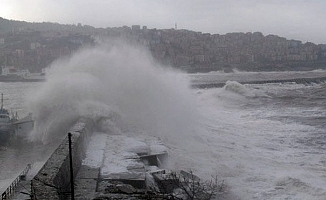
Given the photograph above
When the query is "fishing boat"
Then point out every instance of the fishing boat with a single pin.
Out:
(6, 123)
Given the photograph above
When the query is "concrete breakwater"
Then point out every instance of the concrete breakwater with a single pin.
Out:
(53, 179)
(289, 80)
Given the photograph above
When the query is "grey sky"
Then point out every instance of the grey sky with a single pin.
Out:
(294, 19)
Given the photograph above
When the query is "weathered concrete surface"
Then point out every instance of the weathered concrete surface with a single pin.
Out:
(154, 159)
(53, 180)
(118, 167)
(135, 179)
(86, 182)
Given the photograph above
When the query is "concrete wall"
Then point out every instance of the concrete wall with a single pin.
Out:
(53, 180)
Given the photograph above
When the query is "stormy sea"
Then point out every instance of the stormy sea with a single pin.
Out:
(265, 141)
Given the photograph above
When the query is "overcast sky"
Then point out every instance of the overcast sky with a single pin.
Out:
(294, 19)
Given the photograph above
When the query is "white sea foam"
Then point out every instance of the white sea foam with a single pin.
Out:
(319, 70)
(260, 158)
(241, 89)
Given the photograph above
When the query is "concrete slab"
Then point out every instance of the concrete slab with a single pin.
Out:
(86, 182)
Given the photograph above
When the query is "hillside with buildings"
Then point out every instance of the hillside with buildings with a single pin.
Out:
(33, 46)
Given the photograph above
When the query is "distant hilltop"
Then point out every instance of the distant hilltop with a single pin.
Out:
(35, 45)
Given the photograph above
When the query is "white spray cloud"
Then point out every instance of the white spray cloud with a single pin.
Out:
(118, 85)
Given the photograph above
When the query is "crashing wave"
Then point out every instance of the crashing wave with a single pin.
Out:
(234, 86)
(119, 86)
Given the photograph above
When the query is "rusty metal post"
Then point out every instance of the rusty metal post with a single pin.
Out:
(71, 170)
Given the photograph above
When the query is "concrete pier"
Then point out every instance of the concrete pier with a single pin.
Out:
(120, 162)
(53, 180)
(118, 167)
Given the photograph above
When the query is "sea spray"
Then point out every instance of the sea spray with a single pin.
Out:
(121, 87)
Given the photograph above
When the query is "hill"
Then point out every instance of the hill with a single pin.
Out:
(35, 45)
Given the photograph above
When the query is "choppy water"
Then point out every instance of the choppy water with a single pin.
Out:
(270, 139)
(265, 141)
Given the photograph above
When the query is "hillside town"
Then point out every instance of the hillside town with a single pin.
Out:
(34, 46)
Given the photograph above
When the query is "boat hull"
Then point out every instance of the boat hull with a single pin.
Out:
(5, 135)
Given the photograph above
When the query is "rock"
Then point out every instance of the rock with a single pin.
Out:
(125, 188)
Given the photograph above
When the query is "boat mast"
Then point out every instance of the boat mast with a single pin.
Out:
(1, 101)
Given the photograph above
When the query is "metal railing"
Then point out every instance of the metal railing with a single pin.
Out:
(8, 193)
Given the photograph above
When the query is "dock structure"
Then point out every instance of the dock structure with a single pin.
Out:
(53, 179)
(124, 169)
(18, 185)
